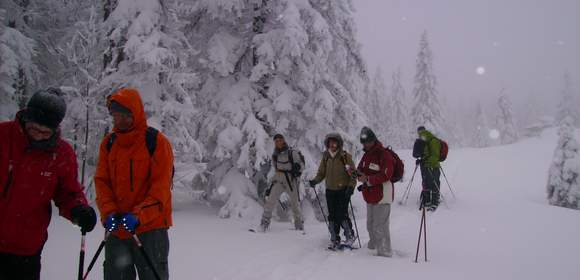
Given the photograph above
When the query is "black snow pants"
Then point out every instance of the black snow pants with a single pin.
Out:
(19, 267)
(431, 186)
(337, 201)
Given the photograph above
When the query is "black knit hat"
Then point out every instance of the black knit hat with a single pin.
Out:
(421, 128)
(367, 135)
(278, 136)
(46, 107)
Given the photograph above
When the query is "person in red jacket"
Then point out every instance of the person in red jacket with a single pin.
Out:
(36, 166)
(376, 169)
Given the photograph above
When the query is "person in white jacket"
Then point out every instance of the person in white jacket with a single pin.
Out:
(288, 164)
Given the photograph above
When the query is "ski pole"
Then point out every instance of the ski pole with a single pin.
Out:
(321, 210)
(408, 190)
(146, 256)
(97, 254)
(354, 220)
(82, 255)
(425, 232)
(450, 189)
(422, 231)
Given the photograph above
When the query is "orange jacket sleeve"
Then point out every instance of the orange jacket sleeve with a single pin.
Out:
(105, 197)
(159, 195)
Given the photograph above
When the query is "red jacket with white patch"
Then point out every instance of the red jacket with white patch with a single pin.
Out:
(29, 180)
(378, 165)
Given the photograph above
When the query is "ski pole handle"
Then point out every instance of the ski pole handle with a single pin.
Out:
(82, 255)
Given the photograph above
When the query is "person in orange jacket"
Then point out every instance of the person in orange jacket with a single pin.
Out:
(133, 186)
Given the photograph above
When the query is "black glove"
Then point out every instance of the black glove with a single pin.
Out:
(361, 187)
(312, 183)
(349, 191)
(84, 216)
(296, 170)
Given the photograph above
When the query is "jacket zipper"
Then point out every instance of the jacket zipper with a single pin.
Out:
(131, 173)
(8, 181)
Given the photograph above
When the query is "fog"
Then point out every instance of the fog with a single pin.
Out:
(524, 46)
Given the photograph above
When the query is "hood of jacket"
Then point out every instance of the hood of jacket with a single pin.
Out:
(335, 136)
(427, 135)
(130, 98)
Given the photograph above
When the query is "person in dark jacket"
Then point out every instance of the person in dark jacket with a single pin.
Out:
(36, 167)
(335, 168)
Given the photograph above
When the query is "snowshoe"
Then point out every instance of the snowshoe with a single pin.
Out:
(345, 246)
(334, 246)
(264, 225)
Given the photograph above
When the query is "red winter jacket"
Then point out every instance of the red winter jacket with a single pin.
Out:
(37, 177)
(378, 165)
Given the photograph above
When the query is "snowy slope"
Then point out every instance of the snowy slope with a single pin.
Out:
(500, 227)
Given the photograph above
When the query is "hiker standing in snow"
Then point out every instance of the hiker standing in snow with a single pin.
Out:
(427, 150)
(288, 164)
(375, 171)
(133, 184)
(36, 166)
(334, 168)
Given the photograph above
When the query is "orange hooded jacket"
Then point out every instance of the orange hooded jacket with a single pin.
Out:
(128, 179)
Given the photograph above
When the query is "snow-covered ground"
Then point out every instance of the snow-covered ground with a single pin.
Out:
(500, 227)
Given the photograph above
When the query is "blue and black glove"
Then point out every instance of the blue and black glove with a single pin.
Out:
(112, 222)
(130, 222)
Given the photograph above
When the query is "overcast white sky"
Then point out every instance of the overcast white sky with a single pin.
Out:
(524, 45)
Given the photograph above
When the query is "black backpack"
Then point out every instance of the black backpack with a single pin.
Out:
(150, 142)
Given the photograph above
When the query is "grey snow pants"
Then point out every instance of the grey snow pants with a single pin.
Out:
(378, 228)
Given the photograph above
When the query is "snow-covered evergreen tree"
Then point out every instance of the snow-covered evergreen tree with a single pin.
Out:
(426, 110)
(505, 121)
(401, 133)
(567, 106)
(17, 69)
(147, 50)
(266, 67)
(378, 107)
(481, 131)
(564, 177)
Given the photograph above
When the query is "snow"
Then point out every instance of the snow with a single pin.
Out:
(500, 227)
